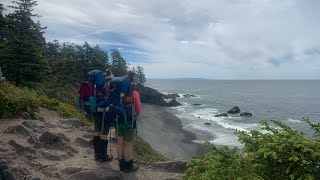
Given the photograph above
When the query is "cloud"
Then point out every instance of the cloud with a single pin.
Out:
(232, 39)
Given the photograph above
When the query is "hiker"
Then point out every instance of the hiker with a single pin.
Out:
(125, 135)
(108, 77)
(102, 128)
(92, 97)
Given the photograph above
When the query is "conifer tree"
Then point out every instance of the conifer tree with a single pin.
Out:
(5, 35)
(141, 78)
(27, 45)
(118, 64)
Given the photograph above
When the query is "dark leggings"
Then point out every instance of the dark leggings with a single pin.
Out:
(100, 125)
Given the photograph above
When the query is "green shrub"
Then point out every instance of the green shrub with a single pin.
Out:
(222, 163)
(281, 153)
(14, 101)
(143, 151)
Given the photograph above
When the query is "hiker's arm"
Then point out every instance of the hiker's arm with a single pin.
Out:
(136, 97)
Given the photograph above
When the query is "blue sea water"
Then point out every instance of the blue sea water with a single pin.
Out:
(285, 100)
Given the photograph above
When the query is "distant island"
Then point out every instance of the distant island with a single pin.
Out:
(178, 79)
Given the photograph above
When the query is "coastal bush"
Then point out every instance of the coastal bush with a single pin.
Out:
(280, 153)
(143, 151)
(222, 163)
(14, 101)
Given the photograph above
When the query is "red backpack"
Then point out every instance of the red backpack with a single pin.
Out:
(86, 90)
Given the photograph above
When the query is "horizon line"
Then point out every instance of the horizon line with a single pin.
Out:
(233, 79)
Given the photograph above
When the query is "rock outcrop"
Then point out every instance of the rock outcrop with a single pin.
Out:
(170, 96)
(221, 115)
(21, 150)
(188, 95)
(151, 96)
(19, 129)
(53, 141)
(171, 166)
(96, 174)
(246, 114)
(234, 110)
(173, 103)
(5, 172)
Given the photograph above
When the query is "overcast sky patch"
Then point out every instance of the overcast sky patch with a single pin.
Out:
(218, 39)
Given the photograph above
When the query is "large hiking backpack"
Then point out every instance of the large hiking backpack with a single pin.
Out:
(120, 100)
(92, 92)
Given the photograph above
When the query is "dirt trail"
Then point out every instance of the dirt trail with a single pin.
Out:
(71, 157)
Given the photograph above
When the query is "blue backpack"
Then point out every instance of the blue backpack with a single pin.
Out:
(120, 101)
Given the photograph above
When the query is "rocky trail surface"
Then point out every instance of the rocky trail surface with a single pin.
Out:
(57, 148)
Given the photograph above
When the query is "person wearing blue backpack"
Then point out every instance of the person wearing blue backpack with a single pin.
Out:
(124, 107)
(92, 100)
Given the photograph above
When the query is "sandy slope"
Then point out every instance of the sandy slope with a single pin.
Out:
(159, 127)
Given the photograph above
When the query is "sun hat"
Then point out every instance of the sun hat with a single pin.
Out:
(108, 74)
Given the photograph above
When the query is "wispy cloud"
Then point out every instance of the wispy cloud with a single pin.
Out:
(232, 39)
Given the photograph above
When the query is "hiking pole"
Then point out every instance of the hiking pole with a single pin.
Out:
(110, 140)
(82, 111)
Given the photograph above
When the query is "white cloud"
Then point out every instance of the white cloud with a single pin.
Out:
(231, 39)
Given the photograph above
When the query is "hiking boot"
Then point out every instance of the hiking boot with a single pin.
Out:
(96, 145)
(130, 166)
(103, 151)
(122, 164)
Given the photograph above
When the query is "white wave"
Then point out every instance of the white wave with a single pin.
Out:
(294, 120)
(183, 108)
(164, 92)
(198, 141)
(206, 112)
(226, 122)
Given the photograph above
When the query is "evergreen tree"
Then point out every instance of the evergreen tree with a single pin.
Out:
(141, 78)
(3, 24)
(53, 52)
(134, 71)
(5, 35)
(26, 47)
(118, 64)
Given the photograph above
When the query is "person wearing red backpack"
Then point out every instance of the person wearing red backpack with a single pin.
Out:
(125, 135)
(92, 95)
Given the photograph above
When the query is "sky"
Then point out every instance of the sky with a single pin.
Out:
(214, 39)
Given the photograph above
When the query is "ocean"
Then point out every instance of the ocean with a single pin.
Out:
(284, 100)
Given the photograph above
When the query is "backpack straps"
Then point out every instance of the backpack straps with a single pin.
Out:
(133, 111)
(123, 110)
(95, 92)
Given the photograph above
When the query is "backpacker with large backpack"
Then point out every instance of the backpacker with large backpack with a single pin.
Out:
(120, 101)
(92, 92)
